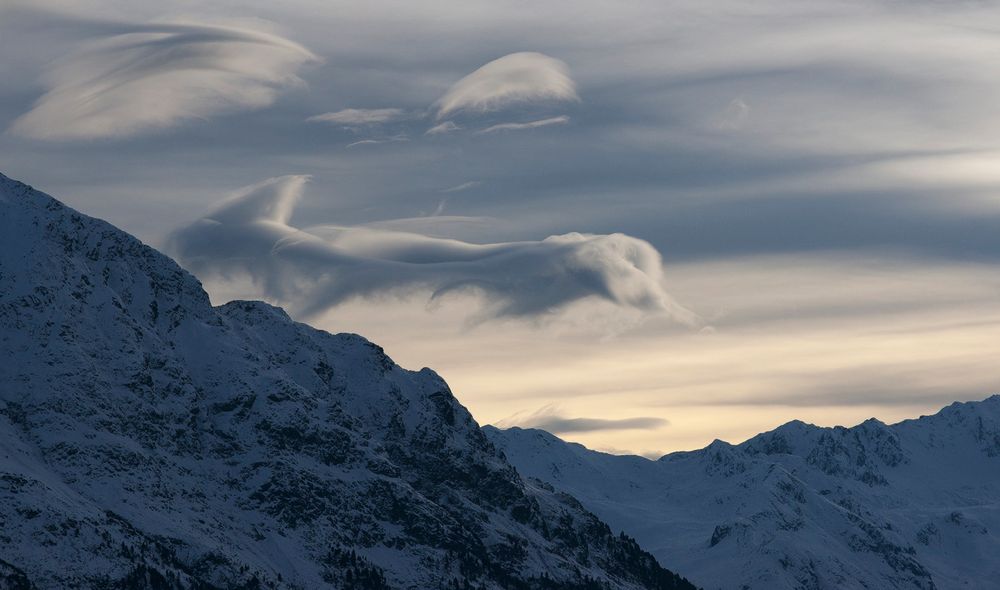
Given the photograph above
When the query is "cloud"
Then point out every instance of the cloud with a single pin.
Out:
(313, 269)
(152, 76)
(436, 225)
(551, 420)
(734, 116)
(651, 454)
(462, 187)
(360, 117)
(515, 78)
(442, 128)
(561, 120)
(392, 139)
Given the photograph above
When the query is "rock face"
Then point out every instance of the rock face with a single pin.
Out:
(914, 505)
(150, 440)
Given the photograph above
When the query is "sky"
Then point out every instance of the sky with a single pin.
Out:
(642, 226)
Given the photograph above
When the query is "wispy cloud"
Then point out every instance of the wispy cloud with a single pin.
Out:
(512, 79)
(560, 120)
(462, 187)
(392, 139)
(360, 117)
(442, 128)
(734, 116)
(316, 268)
(152, 76)
(551, 419)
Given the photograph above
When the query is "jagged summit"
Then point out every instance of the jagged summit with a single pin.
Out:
(251, 308)
(150, 440)
(987, 407)
(912, 505)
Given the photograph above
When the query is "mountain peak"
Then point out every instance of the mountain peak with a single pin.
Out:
(251, 308)
(908, 506)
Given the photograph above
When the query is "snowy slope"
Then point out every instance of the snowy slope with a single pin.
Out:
(149, 440)
(913, 505)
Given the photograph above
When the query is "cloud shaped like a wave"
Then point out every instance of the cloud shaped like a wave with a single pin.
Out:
(151, 76)
(316, 268)
(515, 78)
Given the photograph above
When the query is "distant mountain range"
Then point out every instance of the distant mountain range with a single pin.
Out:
(149, 440)
(914, 505)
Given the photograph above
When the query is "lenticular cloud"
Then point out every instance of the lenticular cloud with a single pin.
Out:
(155, 75)
(515, 78)
(561, 120)
(550, 419)
(316, 268)
(360, 117)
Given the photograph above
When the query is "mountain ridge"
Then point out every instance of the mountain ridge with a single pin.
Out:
(907, 505)
(150, 440)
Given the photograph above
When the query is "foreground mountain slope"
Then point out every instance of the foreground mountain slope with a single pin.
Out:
(913, 505)
(150, 440)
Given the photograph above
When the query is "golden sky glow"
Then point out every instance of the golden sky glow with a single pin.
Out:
(829, 339)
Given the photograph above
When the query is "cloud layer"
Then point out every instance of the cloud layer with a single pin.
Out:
(514, 78)
(152, 76)
(319, 267)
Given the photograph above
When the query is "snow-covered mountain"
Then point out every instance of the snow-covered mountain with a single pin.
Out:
(150, 440)
(913, 505)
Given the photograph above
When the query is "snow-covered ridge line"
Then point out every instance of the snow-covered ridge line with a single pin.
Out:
(150, 440)
(909, 505)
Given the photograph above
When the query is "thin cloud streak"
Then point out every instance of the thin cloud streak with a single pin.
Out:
(359, 117)
(560, 120)
(443, 128)
(393, 139)
(551, 420)
(462, 187)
